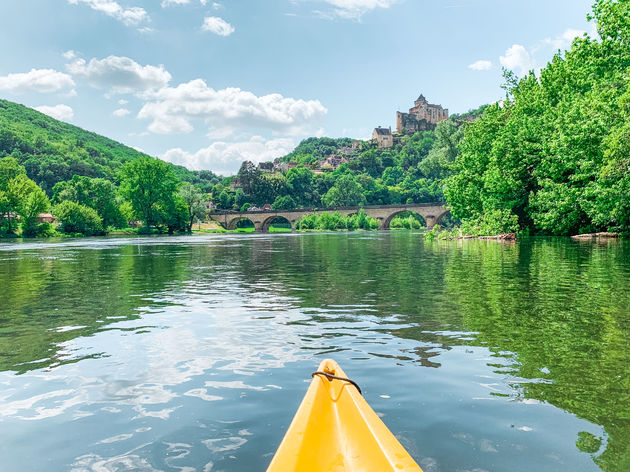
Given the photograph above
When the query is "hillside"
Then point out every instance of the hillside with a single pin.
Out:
(53, 151)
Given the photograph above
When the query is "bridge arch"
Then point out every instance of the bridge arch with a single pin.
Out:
(266, 224)
(430, 216)
(418, 216)
(234, 222)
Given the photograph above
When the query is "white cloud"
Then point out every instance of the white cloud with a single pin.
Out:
(166, 3)
(355, 9)
(517, 57)
(564, 40)
(171, 109)
(37, 80)
(69, 55)
(217, 25)
(129, 16)
(480, 65)
(59, 112)
(120, 74)
(121, 112)
(225, 158)
(122, 101)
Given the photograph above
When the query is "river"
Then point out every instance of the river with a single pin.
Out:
(193, 353)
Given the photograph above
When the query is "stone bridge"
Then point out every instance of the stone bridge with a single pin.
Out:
(262, 219)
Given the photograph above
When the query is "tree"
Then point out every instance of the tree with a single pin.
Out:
(249, 177)
(76, 218)
(301, 186)
(150, 185)
(28, 200)
(96, 193)
(345, 192)
(285, 202)
(194, 202)
(9, 169)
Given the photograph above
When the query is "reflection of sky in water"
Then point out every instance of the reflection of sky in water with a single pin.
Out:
(208, 372)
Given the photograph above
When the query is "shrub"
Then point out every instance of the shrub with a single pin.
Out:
(76, 218)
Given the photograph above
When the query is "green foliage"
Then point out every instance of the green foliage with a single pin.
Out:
(334, 221)
(405, 222)
(553, 157)
(312, 149)
(75, 218)
(96, 193)
(345, 192)
(285, 202)
(150, 185)
(194, 204)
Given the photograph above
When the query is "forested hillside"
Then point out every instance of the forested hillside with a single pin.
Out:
(412, 171)
(53, 151)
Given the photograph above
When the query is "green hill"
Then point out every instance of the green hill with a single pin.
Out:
(53, 151)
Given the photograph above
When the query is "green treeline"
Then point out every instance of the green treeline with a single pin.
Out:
(554, 157)
(150, 191)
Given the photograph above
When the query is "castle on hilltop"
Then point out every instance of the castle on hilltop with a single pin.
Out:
(422, 117)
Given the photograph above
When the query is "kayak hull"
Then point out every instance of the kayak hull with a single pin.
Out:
(336, 430)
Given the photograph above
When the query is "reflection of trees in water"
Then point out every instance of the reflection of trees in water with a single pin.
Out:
(557, 310)
(53, 295)
(562, 309)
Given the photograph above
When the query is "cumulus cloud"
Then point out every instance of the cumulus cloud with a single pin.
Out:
(172, 109)
(355, 9)
(225, 158)
(129, 16)
(120, 74)
(121, 112)
(217, 25)
(480, 65)
(517, 57)
(37, 80)
(59, 112)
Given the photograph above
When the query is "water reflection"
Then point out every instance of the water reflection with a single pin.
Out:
(193, 353)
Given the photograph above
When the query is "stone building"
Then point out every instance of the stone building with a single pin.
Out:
(422, 117)
(383, 137)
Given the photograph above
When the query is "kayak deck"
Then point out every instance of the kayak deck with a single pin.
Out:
(335, 429)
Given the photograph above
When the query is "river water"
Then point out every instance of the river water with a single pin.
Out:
(193, 353)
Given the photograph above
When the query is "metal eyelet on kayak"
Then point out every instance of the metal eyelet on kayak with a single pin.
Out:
(334, 377)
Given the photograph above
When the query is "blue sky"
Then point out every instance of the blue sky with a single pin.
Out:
(208, 84)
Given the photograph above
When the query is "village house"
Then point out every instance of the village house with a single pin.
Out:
(332, 162)
(265, 166)
(383, 137)
(46, 218)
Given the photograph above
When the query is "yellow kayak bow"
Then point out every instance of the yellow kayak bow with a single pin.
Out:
(335, 429)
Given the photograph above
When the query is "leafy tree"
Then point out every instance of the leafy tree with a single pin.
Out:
(9, 169)
(552, 157)
(249, 177)
(28, 200)
(76, 218)
(285, 202)
(96, 193)
(194, 202)
(150, 185)
(345, 192)
(301, 186)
